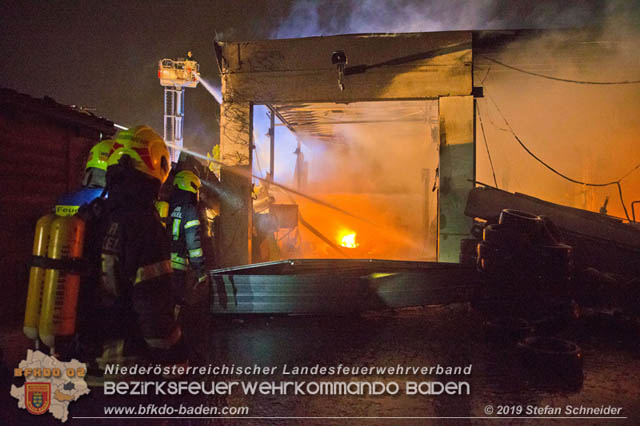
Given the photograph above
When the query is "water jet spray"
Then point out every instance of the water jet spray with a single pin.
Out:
(214, 91)
(249, 175)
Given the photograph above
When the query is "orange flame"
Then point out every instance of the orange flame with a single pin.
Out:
(348, 239)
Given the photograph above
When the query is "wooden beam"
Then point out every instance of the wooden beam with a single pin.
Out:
(285, 87)
(314, 53)
(381, 67)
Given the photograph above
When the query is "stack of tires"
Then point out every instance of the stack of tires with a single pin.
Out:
(468, 246)
(525, 299)
(522, 251)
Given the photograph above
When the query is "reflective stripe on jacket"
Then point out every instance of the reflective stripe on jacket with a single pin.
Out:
(136, 270)
(186, 249)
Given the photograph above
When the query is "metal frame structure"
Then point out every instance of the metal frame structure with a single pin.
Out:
(386, 67)
(173, 119)
(175, 76)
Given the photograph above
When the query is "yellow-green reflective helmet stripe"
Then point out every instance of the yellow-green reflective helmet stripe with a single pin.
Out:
(186, 180)
(99, 154)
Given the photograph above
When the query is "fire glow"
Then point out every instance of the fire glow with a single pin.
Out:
(348, 239)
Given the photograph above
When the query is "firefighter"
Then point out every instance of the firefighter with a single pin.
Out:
(185, 228)
(132, 303)
(95, 175)
(54, 275)
(93, 182)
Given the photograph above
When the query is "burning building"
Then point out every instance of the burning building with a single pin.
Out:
(381, 127)
(387, 131)
(376, 141)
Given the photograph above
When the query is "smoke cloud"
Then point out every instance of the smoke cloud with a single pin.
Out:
(586, 131)
(381, 171)
(589, 132)
(317, 18)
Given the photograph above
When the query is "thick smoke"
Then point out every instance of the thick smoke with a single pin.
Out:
(588, 132)
(325, 17)
(380, 171)
(384, 172)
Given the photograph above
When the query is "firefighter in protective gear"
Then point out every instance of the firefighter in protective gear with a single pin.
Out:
(184, 224)
(96, 169)
(54, 276)
(133, 300)
(93, 182)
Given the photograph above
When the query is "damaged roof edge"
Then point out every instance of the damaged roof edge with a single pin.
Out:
(336, 36)
(485, 34)
(49, 107)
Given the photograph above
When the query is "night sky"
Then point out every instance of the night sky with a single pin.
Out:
(104, 55)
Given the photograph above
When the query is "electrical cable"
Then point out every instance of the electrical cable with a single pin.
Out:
(487, 146)
(566, 80)
(486, 75)
(255, 150)
(570, 179)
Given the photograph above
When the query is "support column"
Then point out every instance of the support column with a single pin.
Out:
(457, 167)
(272, 145)
(235, 181)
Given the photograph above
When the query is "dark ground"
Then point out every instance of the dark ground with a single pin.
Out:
(450, 335)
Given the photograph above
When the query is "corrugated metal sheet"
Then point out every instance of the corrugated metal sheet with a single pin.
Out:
(338, 286)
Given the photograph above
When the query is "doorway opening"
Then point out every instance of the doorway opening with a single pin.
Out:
(355, 180)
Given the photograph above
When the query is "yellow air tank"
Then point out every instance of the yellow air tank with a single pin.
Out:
(163, 211)
(61, 285)
(36, 277)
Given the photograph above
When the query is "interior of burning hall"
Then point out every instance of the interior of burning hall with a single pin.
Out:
(377, 161)
(374, 160)
(356, 148)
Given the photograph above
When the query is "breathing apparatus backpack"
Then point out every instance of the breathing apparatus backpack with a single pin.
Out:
(55, 274)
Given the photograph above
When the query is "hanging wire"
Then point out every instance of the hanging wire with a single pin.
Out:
(255, 151)
(495, 181)
(570, 179)
(486, 75)
(566, 80)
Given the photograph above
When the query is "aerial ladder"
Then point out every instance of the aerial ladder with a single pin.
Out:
(174, 76)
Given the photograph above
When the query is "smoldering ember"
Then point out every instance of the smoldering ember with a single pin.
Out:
(252, 206)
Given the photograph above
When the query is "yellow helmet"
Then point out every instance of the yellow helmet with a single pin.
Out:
(99, 155)
(187, 181)
(146, 148)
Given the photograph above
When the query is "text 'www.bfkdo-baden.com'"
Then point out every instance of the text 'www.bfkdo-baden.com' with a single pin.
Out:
(168, 410)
